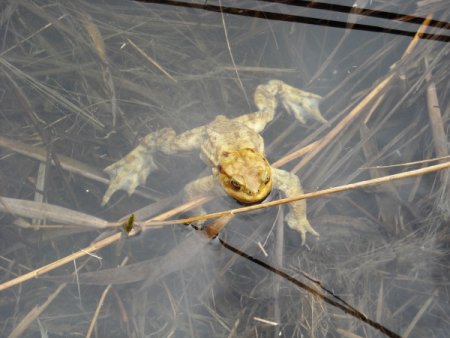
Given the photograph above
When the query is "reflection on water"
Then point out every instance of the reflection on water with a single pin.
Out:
(82, 84)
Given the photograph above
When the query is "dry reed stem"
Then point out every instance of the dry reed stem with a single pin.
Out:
(406, 164)
(51, 212)
(93, 247)
(153, 62)
(255, 69)
(437, 128)
(100, 304)
(99, 46)
(60, 262)
(296, 154)
(95, 36)
(380, 302)
(420, 314)
(417, 36)
(159, 220)
(347, 334)
(344, 123)
(97, 310)
(40, 154)
(184, 207)
(373, 108)
(29, 37)
(47, 91)
(354, 113)
(324, 192)
(386, 209)
(67, 163)
(35, 313)
(437, 125)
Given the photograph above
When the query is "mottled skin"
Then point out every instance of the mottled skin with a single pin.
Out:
(234, 150)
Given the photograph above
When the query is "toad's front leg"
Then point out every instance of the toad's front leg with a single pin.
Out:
(303, 105)
(289, 185)
(133, 169)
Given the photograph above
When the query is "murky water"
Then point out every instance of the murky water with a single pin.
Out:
(83, 82)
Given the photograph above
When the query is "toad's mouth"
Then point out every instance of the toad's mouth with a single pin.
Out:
(253, 200)
(244, 194)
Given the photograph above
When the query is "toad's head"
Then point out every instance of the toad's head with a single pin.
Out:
(245, 175)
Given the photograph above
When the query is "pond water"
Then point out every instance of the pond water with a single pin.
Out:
(83, 82)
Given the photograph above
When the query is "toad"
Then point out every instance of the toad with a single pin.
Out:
(234, 149)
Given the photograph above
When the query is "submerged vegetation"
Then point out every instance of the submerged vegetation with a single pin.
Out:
(82, 82)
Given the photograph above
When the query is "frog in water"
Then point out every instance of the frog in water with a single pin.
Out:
(233, 149)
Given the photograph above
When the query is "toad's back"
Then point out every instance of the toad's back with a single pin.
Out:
(224, 135)
(235, 151)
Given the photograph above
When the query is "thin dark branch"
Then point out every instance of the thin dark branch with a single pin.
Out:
(309, 20)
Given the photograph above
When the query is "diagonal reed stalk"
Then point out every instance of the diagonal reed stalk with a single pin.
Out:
(311, 151)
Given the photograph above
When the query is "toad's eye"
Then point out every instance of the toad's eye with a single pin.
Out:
(266, 178)
(235, 184)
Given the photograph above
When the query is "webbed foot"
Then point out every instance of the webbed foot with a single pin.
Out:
(289, 184)
(300, 224)
(132, 170)
(301, 104)
(129, 172)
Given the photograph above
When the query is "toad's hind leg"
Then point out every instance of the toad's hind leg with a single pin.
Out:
(133, 169)
(289, 184)
(201, 187)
